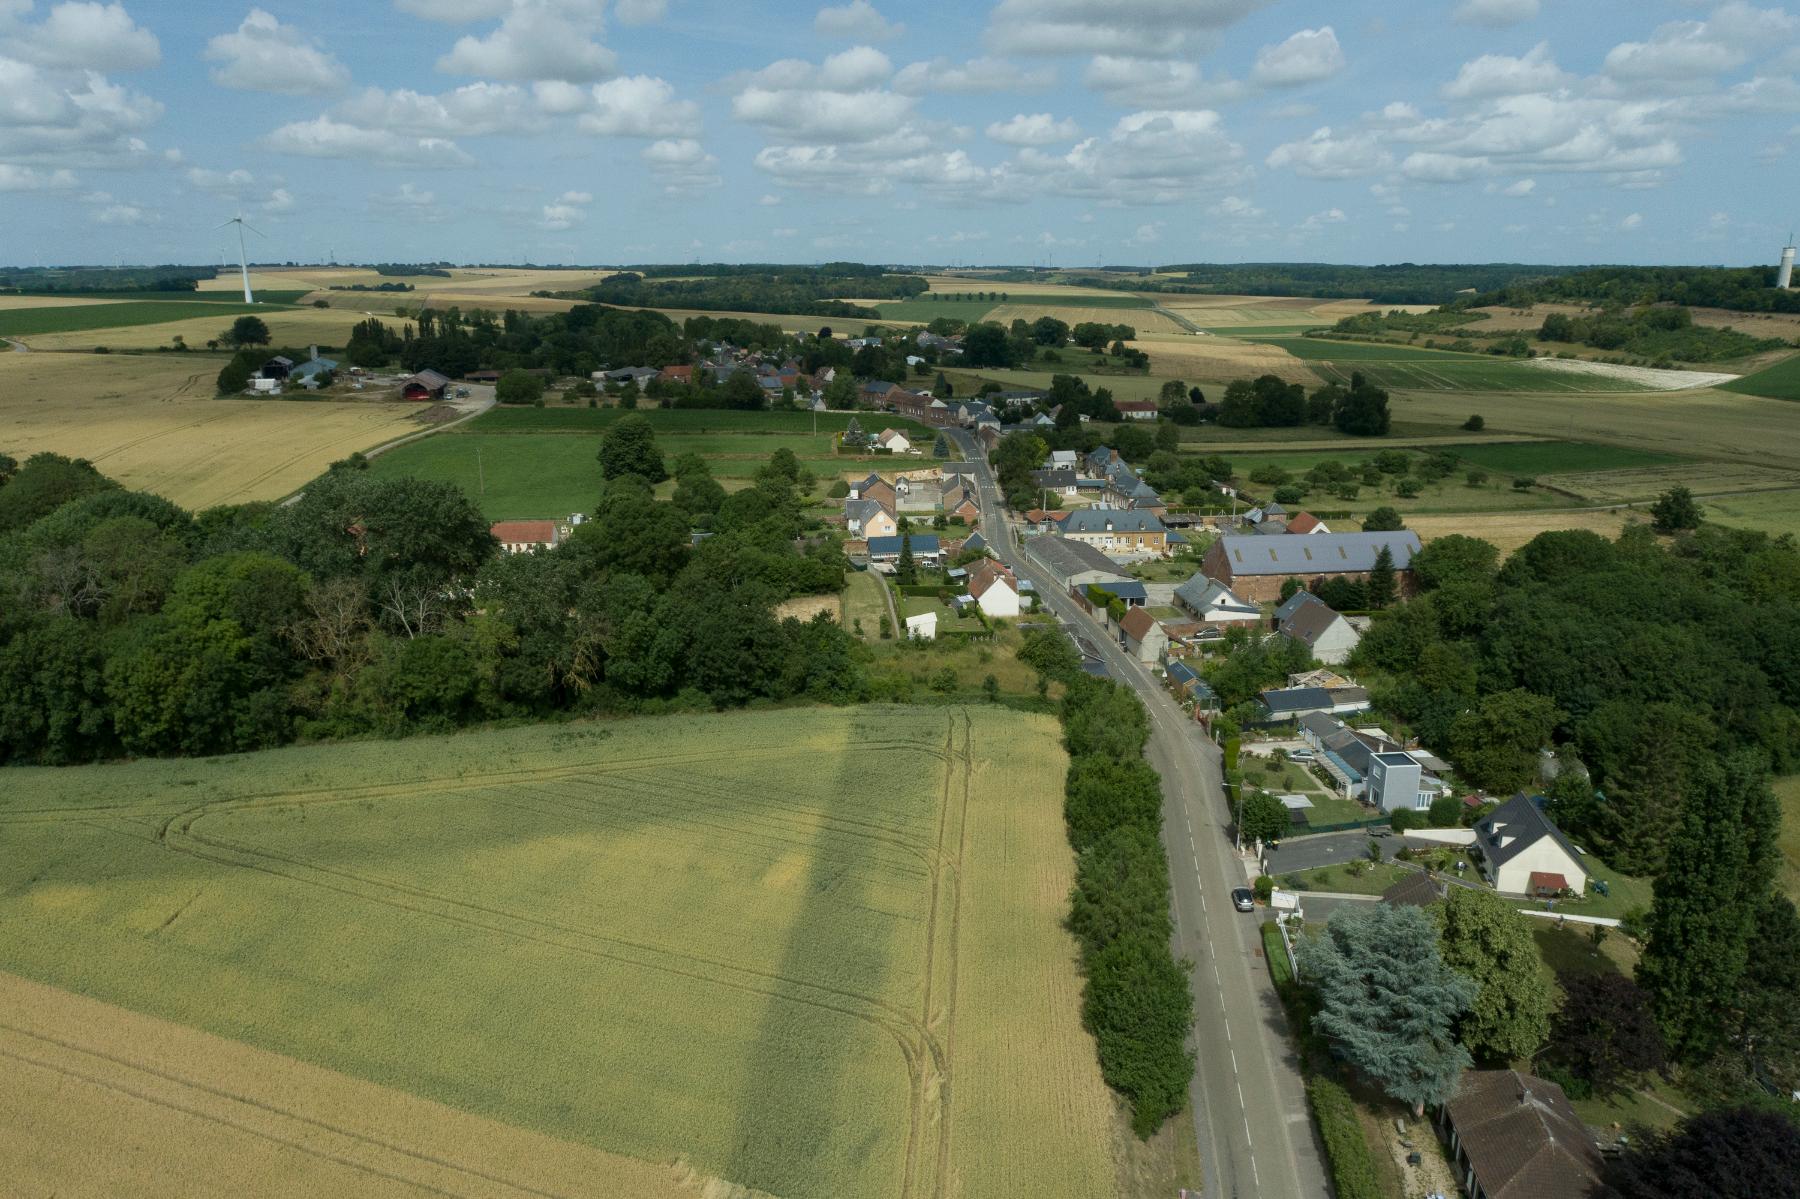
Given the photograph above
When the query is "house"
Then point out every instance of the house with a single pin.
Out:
(1255, 566)
(1518, 841)
(923, 626)
(1073, 564)
(867, 518)
(877, 393)
(1292, 703)
(885, 551)
(1306, 618)
(1142, 636)
(961, 505)
(638, 376)
(921, 406)
(1136, 409)
(1117, 530)
(676, 374)
(1063, 460)
(875, 488)
(1516, 1136)
(1129, 592)
(1397, 783)
(525, 536)
(1306, 522)
(974, 541)
(994, 588)
(1062, 482)
(426, 385)
(1214, 603)
(893, 441)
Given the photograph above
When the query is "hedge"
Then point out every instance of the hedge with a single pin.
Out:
(1346, 1147)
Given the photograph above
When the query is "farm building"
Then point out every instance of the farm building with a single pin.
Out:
(426, 385)
(525, 536)
(1136, 409)
(1073, 564)
(1255, 566)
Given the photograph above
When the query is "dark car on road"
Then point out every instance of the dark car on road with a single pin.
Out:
(1242, 899)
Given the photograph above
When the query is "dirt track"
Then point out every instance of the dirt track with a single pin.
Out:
(101, 1101)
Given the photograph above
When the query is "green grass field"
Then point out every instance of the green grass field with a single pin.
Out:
(815, 952)
(196, 297)
(1772, 512)
(571, 418)
(1408, 368)
(1557, 457)
(1778, 382)
(75, 318)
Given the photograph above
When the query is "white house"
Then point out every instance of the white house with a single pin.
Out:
(923, 626)
(994, 588)
(1215, 603)
(1306, 618)
(1524, 853)
(893, 441)
(1142, 636)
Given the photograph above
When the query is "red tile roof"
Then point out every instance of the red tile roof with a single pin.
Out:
(1543, 880)
(525, 532)
(1305, 522)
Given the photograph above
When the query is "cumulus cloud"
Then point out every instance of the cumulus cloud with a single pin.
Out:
(1236, 208)
(1306, 57)
(409, 195)
(1502, 75)
(1318, 220)
(1037, 129)
(537, 39)
(323, 137)
(682, 166)
(83, 36)
(472, 110)
(1520, 188)
(1148, 28)
(126, 214)
(61, 119)
(1632, 221)
(976, 76)
(1496, 14)
(25, 179)
(840, 100)
(280, 200)
(1157, 83)
(640, 106)
(1149, 157)
(858, 21)
(1327, 155)
(565, 212)
(222, 182)
(263, 55)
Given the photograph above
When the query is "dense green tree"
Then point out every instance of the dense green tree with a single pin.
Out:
(45, 483)
(1134, 442)
(1675, 510)
(234, 376)
(1485, 940)
(519, 387)
(629, 447)
(1101, 794)
(986, 344)
(1495, 746)
(1362, 411)
(1704, 911)
(1265, 818)
(1382, 583)
(1604, 1034)
(1453, 558)
(1101, 717)
(906, 571)
(1048, 331)
(54, 708)
(1765, 1028)
(1383, 520)
(1743, 1153)
(1050, 654)
(246, 331)
(1139, 1006)
(1388, 1001)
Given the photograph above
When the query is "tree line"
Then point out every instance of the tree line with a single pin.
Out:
(381, 606)
(1741, 289)
(788, 290)
(1135, 1000)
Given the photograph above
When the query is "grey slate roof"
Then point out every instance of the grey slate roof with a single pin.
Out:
(1525, 823)
(1296, 699)
(1070, 558)
(1054, 478)
(861, 511)
(1200, 592)
(922, 543)
(1321, 724)
(1121, 520)
(1309, 621)
(1315, 553)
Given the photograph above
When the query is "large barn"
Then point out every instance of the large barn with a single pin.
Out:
(1254, 565)
(426, 385)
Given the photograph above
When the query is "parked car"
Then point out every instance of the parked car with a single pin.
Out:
(1301, 755)
(1243, 899)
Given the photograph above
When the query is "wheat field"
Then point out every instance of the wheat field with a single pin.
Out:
(287, 327)
(807, 952)
(153, 423)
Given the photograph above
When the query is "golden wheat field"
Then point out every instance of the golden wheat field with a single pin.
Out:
(808, 952)
(1209, 359)
(152, 423)
(1144, 320)
(1510, 530)
(10, 302)
(491, 280)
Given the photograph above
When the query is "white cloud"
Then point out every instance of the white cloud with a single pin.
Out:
(1428, 167)
(640, 106)
(455, 12)
(974, 77)
(263, 55)
(840, 100)
(565, 212)
(1632, 221)
(1318, 220)
(25, 179)
(1689, 51)
(769, 200)
(126, 214)
(1157, 83)
(1501, 75)
(1149, 157)
(682, 166)
(1150, 28)
(1037, 129)
(1523, 187)
(640, 12)
(857, 21)
(537, 39)
(323, 137)
(1306, 57)
(280, 200)
(472, 110)
(849, 70)
(59, 119)
(409, 195)
(1496, 14)
(1326, 155)
(84, 36)
(1236, 208)
(1146, 234)
(223, 182)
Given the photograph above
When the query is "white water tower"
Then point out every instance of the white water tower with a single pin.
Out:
(1786, 271)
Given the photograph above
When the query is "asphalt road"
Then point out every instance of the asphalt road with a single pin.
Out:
(1248, 1104)
(1324, 849)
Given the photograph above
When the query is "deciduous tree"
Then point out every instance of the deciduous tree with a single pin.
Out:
(1486, 941)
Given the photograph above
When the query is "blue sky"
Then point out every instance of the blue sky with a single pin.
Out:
(1015, 131)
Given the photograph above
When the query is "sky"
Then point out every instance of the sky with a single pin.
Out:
(1033, 132)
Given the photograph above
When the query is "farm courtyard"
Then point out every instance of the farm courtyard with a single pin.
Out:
(806, 953)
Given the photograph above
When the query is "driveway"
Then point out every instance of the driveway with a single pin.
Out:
(1324, 849)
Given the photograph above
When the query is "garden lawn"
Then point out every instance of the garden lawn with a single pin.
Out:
(1627, 893)
(1373, 881)
(812, 952)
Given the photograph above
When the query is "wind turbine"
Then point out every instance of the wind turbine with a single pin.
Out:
(243, 259)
